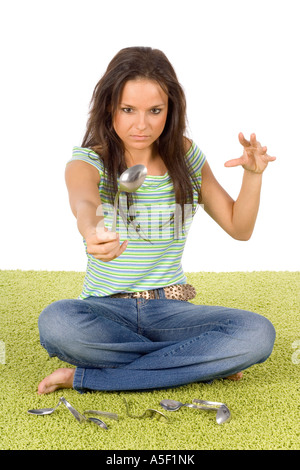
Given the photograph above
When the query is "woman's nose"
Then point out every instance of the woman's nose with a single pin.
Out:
(141, 122)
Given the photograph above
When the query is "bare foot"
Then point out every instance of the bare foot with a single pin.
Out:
(236, 377)
(61, 378)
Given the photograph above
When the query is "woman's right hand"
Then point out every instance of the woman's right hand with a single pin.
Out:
(103, 244)
(83, 182)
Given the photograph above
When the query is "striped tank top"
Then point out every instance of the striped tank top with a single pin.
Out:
(153, 227)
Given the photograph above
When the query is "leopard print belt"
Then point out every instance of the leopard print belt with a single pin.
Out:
(176, 292)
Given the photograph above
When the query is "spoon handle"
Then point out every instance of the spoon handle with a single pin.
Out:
(202, 407)
(102, 413)
(206, 402)
(74, 412)
(208, 405)
(114, 222)
(99, 422)
(189, 405)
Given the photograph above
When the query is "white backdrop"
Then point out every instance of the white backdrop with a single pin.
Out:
(238, 62)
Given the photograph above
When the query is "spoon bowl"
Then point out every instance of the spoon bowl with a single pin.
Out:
(41, 411)
(44, 411)
(129, 182)
(132, 178)
(223, 415)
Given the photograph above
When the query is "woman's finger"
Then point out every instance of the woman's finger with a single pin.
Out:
(235, 162)
(244, 142)
(253, 141)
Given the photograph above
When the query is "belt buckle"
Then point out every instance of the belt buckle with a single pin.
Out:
(146, 294)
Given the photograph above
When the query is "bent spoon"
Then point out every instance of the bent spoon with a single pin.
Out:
(223, 413)
(173, 405)
(78, 416)
(44, 411)
(48, 411)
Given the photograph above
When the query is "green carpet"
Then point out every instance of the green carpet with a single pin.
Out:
(264, 405)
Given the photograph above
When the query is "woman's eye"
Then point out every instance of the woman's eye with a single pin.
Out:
(155, 110)
(127, 110)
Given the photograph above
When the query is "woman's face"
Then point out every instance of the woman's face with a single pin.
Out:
(141, 114)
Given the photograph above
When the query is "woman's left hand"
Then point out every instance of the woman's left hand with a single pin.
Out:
(254, 158)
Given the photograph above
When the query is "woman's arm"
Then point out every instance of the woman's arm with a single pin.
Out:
(238, 217)
(82, 181)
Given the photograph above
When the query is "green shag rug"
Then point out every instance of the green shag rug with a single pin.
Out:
(264, 405)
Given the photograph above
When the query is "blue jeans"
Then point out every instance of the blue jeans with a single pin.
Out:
(138, 344)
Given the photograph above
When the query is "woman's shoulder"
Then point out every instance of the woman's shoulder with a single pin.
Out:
(87, 155)
(85, 152)
(190, 145)
(187, 144)
(194, 155)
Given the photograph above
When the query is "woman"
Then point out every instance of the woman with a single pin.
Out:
(132, 327)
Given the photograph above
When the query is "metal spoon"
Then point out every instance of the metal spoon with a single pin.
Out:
(148, 413)
(173, 405)
(78, 416)
(223, 413)
(44, 411)
(130, 180)
(81, 417)
(72, 410)
(48, 411)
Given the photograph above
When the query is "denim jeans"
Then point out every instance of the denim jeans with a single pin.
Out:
(138, 344)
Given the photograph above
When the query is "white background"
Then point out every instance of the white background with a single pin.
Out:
(238, 62)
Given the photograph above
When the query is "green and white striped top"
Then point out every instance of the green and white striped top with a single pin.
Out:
(154, 230)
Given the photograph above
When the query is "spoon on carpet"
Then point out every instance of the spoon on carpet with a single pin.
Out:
(173, 405)
(78, 416)
(44, 411)
(48, 411)
(223, 413)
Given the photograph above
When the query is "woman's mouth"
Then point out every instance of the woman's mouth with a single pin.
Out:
(139, 137)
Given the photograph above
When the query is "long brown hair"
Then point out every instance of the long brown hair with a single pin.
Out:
(129, 64)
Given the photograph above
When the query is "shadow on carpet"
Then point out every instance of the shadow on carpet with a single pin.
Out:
(264, 405)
